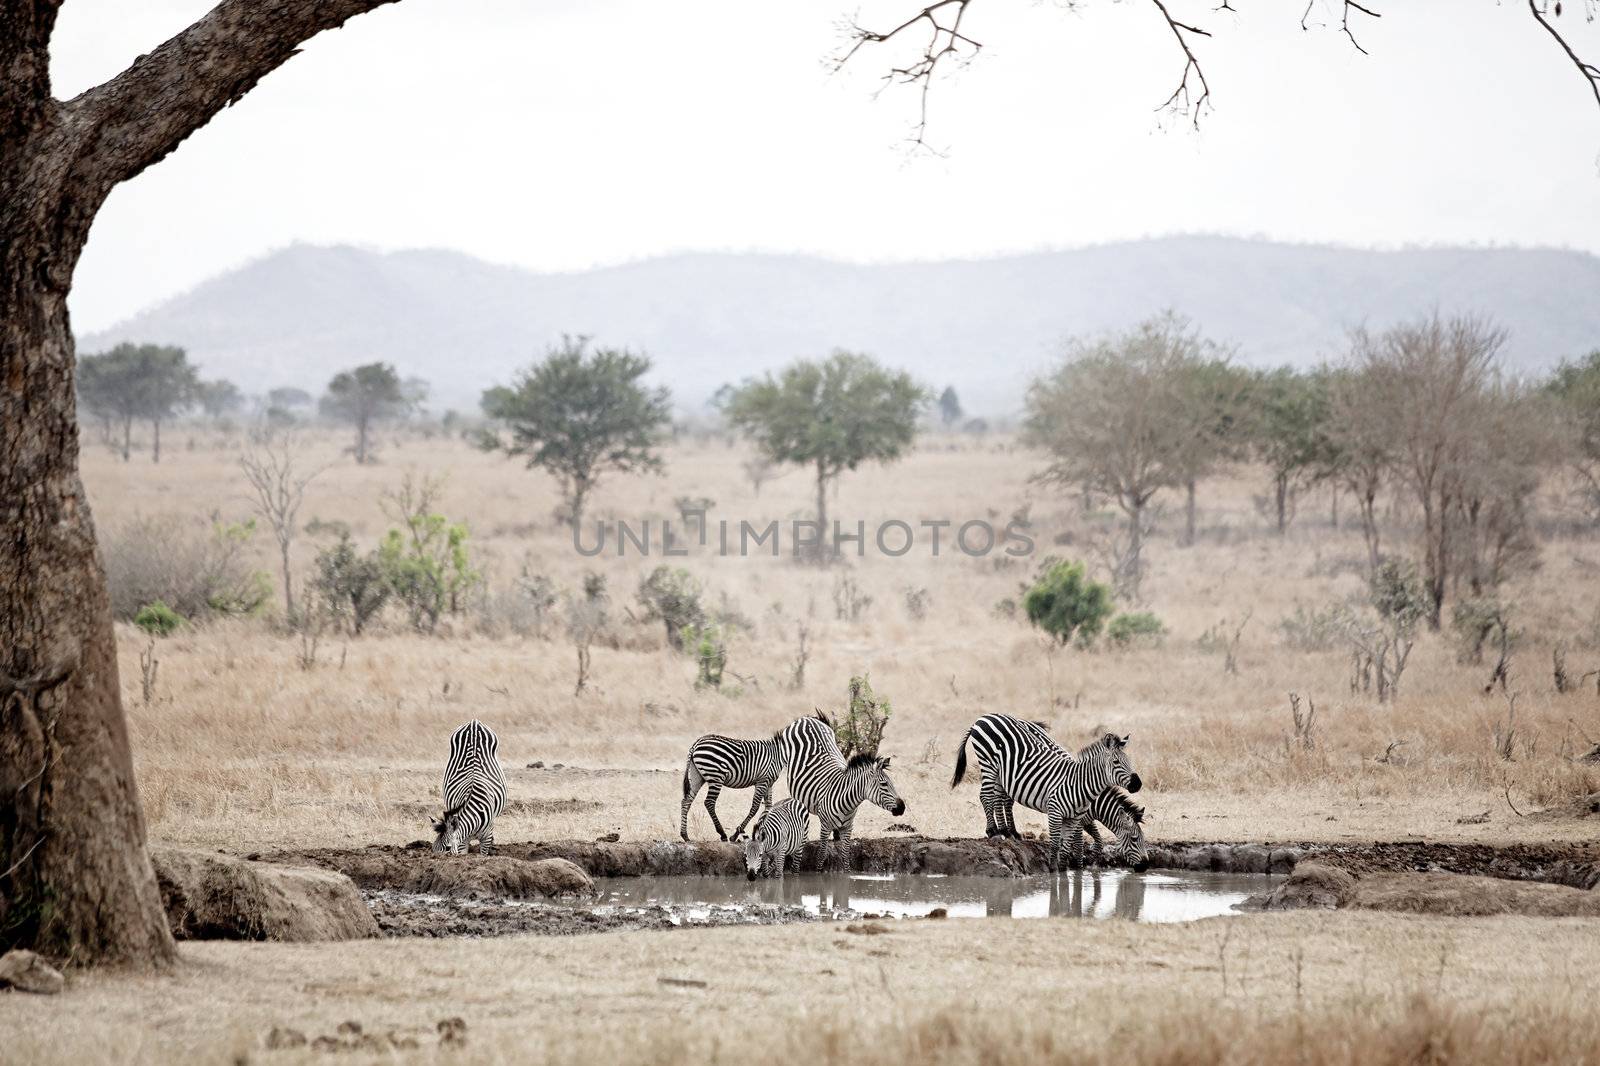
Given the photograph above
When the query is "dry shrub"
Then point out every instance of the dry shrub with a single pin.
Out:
(196, 568)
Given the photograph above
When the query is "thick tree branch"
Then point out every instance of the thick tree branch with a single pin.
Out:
(1590, 72)
(136, 118)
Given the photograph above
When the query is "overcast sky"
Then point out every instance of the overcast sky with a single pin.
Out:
(564, 134)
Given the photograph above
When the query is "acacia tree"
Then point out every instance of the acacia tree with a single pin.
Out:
(164, 383)
(580, 414)
(106, 388)
(218, 397)
(1288, 420)
(1217, 390)
(1359, 454)
(1117, 417)
(365, 395)
(831, 415)
(1575, 387)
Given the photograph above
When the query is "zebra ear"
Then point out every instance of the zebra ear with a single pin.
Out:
(1124, 741)
(883, 763)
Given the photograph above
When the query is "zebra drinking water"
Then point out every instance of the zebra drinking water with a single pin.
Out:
(474, 791)
(777, 840)
(1106, 809)
(1019, 762)
(722, 762)
(827, 785)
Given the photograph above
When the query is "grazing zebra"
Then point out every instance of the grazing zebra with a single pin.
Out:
(777, 840)
(722, 762)
(474, 791)
(1020, 763)
(827, 785)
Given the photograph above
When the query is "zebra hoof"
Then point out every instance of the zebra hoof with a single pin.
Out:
(724, 837)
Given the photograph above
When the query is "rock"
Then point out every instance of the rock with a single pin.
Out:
(26, 972)
(537, 765)
(558, 766)
(1282, 860)
(609, 838)
(283, 1037)
(217, 897)
(463, 876)
(452, 1031)
(1313, 885)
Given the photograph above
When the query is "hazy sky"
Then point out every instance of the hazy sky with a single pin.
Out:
(569, 133)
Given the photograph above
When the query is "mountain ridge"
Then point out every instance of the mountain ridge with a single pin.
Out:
(297, 315)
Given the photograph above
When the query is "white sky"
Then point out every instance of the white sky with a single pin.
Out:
(570, 133)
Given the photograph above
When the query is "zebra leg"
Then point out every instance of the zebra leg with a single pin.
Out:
(1058, 836)
(843, 833)
(1089, 826)
(989, 796)
(1008, 822)
(1074, 842)
(763, 795)
(486, 840)
(712, 792)
(691, 788)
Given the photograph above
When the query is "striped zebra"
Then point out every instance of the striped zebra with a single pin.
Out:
(827, 785)
(777, 840)
(722, 762)
(1107, 809)
(1020, 763)
(474, 791)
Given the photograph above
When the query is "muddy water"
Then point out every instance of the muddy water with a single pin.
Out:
(1148, 897)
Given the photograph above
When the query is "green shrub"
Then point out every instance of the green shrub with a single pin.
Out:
(428, 568)
(353, 585)
(1064, 603)
(860, 729)
(157, 619)
(1129, 628)
(672, 597)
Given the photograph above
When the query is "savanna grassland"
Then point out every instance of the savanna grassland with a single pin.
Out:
(241, 746)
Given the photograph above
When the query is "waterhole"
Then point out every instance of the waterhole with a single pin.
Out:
(1148, 897)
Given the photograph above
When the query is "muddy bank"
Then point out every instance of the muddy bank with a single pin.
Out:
(425, 872)
(402, 914)
(414, 868)
(1323, 887)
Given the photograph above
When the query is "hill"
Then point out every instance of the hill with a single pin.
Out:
(295, 316)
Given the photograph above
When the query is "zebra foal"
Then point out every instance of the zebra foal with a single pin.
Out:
(716, 763)
(474, 791)
(777, 840)
(1020, 763)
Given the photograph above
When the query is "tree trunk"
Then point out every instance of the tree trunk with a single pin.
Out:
(288, 591)
(1435, 534)
(127, 437)
(822, 511)
(1333, 518)
(1280, 484)
(361, 439)
(77, 883)
(1369, 527)
(1188, 513)
(155, 450)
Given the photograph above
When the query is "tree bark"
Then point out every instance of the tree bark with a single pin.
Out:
(127, 437)
(155, 451)
(822, 510)
(75, 881)
(1188, 513)
(361, 438)
(1280, 483)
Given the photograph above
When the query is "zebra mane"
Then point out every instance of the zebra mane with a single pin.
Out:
(860, 758)
(823, 718)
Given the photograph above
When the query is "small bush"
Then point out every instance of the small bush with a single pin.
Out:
(354, 586)
(918, 600)
(198, 571)
(860, 729)
(1064, 603)
(157, 619)
(672, 597)
(1313, 628)
(1137, 627)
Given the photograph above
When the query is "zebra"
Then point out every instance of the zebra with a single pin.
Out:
(827, 785)
(1020, 763)
(777, 840)
(1106, 809)
(474, 791)
(722, 762)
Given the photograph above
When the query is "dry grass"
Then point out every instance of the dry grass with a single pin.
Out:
(242, 748)
(1315, 988)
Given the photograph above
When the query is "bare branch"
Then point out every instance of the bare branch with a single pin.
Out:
(945, 40)
(1179, 100)
(1344, 22)
(1590, 72)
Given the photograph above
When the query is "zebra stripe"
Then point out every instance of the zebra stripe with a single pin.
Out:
(777, 840)
(829, 787)
(722, 762)
(1022, 764)
(474, 791)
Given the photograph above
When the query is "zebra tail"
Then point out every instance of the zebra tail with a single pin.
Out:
(961, 760)
(685, 782)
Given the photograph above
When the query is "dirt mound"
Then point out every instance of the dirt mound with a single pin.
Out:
(26, 972)
(1313, 885)
(399, 915)
(425, 872)
(217, 897)
(1585, 807)
(1460, 895)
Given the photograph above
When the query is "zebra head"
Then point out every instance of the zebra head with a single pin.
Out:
(1131, 849)
(447, 832)
(752, 855)
(883, 791)
(1119, 771)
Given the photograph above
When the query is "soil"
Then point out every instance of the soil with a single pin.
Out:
(1316, 885)
(404, 915)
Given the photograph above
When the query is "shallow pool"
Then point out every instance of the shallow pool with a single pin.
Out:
(1177, 896)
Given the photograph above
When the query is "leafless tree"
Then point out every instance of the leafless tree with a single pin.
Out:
(1360, 442)
(278, 475)
(1117, 417)
(1428, 383)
